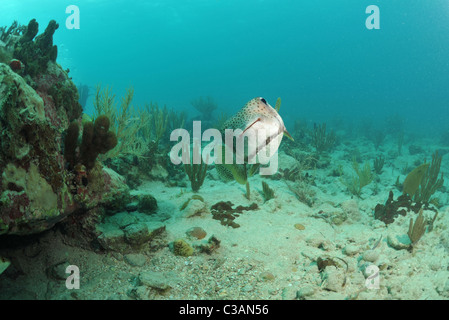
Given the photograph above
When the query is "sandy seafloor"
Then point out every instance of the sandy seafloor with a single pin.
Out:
(266, 257)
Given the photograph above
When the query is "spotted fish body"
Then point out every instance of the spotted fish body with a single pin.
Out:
(258, 115)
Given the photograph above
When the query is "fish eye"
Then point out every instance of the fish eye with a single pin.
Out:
(263, 100)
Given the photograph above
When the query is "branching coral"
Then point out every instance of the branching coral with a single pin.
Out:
(378, 138)
(104, 102)
(156, 122)
(220, 121)
(138, 130)
(378, 164)
(8, 39)
(124, 121)
(267, 192)
(175, 120)
(14, 29)
(302, 191)
(362, 178)
(159, 121)
(430, 181)
(417, 229)
(205, 105)
(321, 140)
(196, 174)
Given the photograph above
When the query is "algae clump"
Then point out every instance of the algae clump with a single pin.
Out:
(182, 248)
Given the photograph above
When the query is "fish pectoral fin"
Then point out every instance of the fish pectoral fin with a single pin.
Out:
(239, 173)
(258, 119)
(288, 135)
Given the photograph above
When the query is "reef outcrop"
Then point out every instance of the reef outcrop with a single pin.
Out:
(37, 186)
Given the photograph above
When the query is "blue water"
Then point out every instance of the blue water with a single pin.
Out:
(318, 56)
(325, 64)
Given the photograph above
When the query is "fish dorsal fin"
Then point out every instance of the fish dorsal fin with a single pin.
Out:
(278, 104)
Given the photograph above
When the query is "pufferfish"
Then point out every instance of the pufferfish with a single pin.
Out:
(257, 115)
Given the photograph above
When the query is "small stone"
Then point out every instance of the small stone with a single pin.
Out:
(318, 241)
(137, 233)
(132, 206)
(57, 271)
(209, 246)
(299, 226)
(158, 172)
(139, 293)
(122, 219)
(414, 149)
(351, 209)
(117, 255)
(334, 278)
(197, 233)
(351, 250)
(304, 292)
(247, 288)
(338, 217)
(398, 242)
(112, 239)
(155, 280)
(266, 276)
(30, 251)
(370, 256)
(434, 262)
(135, 260)
(147, 204)
(444, 290)
(195, 208)
(223, 293)
(288, 293)
(382, 265)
